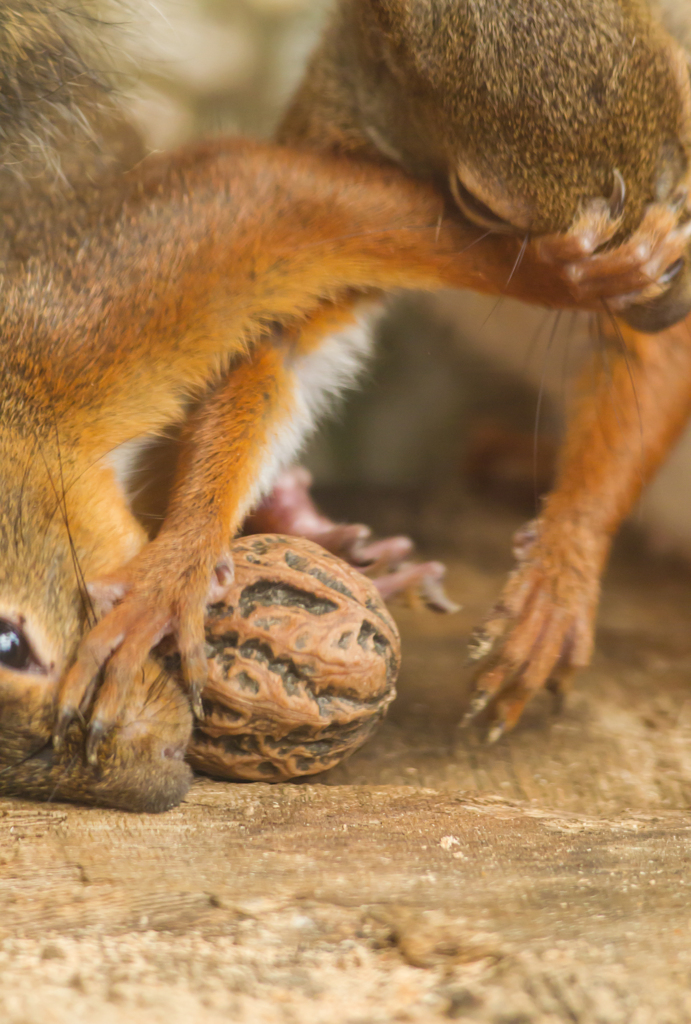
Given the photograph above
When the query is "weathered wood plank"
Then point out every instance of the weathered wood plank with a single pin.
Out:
(429, 878)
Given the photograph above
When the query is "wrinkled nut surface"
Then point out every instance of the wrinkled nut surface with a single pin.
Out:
(303, 659)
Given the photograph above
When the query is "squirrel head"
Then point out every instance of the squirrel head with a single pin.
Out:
(527, 109)
(59, 522)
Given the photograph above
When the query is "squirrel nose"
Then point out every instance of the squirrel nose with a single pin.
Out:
(667, 309)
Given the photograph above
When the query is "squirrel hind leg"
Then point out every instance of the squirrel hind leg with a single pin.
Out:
(290, 509)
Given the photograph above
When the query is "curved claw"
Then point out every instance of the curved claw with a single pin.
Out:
(94, 738)
(193, 661)
(66, 717)
(478, 703)
(618, 198)
(496, 732)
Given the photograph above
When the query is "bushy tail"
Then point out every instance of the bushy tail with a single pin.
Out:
(54, 82)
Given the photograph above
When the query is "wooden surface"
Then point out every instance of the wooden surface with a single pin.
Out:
(429, 878)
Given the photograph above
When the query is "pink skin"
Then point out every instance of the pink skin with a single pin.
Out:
(289, 509)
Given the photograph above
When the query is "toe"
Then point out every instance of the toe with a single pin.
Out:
(77, 689)
(193, 658)
(122, 672)
(488, 685)
(385, 554)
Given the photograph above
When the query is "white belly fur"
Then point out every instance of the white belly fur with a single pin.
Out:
(320, 379)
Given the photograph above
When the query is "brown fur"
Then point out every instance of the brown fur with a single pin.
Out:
(201, 273)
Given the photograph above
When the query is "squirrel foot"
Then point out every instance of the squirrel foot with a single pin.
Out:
(639, 269)
(420, 581)
(539, 632)
(289, 509)
(155, 595)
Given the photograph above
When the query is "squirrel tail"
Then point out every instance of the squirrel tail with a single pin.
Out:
(54, 82)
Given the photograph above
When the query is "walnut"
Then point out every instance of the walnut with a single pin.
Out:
(303, 659)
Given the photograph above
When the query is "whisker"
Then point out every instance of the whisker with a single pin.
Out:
(23, 760)
(516, 265)
(625, 353)
(81, 582)
(599, 344)
(530, 351)
(538, 407)
(385, 233)
(61, 777)
(61, 506)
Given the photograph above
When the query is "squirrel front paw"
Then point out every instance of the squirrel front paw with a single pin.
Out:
(538, 634)
(640, 269)
(163, 591)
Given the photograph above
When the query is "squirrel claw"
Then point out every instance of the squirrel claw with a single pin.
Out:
(62, 724)
(156, 597)
(496, 733)
(94, 738)
(478, 703)
(541, 630)
(195, 697)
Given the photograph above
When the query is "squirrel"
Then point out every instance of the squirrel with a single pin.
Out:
(214, 288)
(512, 109)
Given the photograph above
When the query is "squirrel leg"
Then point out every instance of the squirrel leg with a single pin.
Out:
(289, 509)
(541, 629)
(233, 442)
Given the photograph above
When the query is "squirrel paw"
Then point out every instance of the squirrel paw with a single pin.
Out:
(538, 634)
(289, 509)
(639, 269)
(147, 599)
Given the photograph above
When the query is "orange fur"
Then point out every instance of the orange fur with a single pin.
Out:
(236, 258)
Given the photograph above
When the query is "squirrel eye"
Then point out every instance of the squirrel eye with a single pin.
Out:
(15, 651)
(475, 210)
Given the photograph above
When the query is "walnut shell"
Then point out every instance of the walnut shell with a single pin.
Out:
(303, 658)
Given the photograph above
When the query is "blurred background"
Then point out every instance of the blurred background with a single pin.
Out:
(466, 394)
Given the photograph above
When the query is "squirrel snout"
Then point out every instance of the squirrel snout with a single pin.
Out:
(141, 765)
